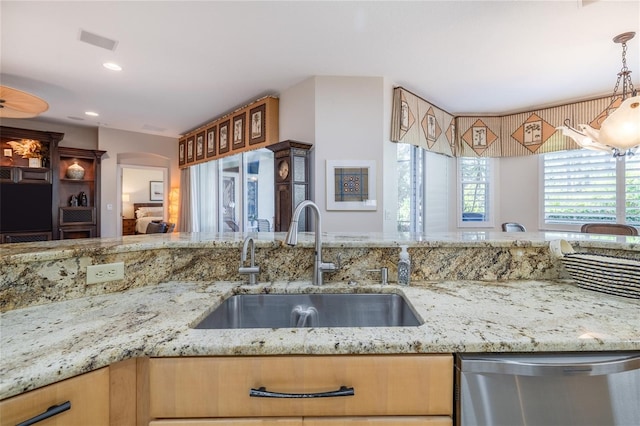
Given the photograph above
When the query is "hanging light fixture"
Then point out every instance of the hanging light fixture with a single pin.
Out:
(618, 128)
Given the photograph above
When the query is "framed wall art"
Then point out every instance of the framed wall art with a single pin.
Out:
(257, 124)
(190, 150)
(223, 137)
(182, 147)
(211, 141)
(239, 122)
(351, 185)
(200, 146)
(156, 190)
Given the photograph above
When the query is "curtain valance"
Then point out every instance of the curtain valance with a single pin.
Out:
(416, 121)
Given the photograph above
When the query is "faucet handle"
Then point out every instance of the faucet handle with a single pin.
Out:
(384, 274)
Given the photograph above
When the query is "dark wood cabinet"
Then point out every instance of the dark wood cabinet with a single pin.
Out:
(291, 166)
(35, 202)
(77, 194)
(26, 193)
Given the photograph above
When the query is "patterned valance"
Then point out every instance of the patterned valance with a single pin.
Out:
(420, 123)
(520, 134)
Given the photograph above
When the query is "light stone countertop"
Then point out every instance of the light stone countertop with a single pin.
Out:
(43, 344)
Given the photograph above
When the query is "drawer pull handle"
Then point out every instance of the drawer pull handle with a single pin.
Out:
(51, 411)
(262, 392)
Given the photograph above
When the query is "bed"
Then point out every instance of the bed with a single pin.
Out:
(146, 213)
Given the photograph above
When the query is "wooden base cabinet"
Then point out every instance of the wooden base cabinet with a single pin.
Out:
(384, 388)
(313, 421)
(87, 397)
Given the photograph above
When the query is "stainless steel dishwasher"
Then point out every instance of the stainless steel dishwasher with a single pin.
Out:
(548, 389)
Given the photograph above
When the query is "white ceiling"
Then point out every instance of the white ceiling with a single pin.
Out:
(186, 63)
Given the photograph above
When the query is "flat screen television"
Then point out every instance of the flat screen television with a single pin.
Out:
(25, 207)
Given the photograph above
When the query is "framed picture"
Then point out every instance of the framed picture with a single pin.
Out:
(200, 146)
(211, 141)
(190, 150)
(257, 124)
(351, 185)
(182, 155)
(239, 130)
(223, 137)
(156, 190)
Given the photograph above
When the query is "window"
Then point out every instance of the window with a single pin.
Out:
(475, 192)
(410, 160)
(583, 186)
(234, 193)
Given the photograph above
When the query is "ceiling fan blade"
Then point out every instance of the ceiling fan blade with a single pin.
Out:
(18, 104)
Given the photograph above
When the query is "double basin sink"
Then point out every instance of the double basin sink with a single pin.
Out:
(312, 310)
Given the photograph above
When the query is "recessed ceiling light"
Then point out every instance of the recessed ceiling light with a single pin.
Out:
(92, 114)
(112, 66)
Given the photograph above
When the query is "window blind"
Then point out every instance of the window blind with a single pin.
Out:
(579, 187)
(474, 180)
(632, 190)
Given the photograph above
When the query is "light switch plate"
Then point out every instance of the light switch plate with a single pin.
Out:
(106, 272)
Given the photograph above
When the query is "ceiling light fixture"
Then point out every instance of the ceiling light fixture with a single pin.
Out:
(92, 114)
(18, 104)
(112, 66)
(617, 129)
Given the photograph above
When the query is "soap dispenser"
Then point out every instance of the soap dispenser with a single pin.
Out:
(404, 267)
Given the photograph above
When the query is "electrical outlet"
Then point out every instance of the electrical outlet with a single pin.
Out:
(106, 272)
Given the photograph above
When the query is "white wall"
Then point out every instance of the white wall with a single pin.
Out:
(130, 148)
(519, 197)
(347, 124)
(74, 136)
(135, 182)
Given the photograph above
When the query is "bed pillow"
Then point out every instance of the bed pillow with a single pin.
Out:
(149, 211)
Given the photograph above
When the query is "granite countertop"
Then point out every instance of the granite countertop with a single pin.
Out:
(44, 344)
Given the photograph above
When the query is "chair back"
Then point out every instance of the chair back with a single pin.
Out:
(156, 228)
(264, 225)
(513, 227)
(609, 228)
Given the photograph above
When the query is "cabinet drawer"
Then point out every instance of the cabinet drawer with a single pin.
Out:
(88, 395)
(383, 385)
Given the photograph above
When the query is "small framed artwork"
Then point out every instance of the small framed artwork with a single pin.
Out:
(156, 190)
(257, 125)
(200, 146)
(239, 130)
(190, 150)
(351, 185)
(223, 137)
(211, 141)
(182, 147)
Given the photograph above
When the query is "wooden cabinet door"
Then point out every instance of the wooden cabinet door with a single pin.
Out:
(378, 421)
(87, 394)
(289, 421)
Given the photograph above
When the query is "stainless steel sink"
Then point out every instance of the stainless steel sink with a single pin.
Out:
(311, 310)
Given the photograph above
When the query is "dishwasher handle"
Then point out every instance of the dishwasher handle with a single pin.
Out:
(528, 368)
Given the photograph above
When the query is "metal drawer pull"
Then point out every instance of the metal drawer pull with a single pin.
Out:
(51, 411)
(262, 392)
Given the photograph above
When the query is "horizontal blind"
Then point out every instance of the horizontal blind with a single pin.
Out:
(579, 187)
(632, 190)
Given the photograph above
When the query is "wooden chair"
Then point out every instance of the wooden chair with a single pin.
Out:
(609, 228)
(513, 227)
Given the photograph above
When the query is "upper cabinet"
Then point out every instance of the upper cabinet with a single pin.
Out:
(77, 196)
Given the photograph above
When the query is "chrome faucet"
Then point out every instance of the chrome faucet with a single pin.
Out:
(252, 270)
(319, 267)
